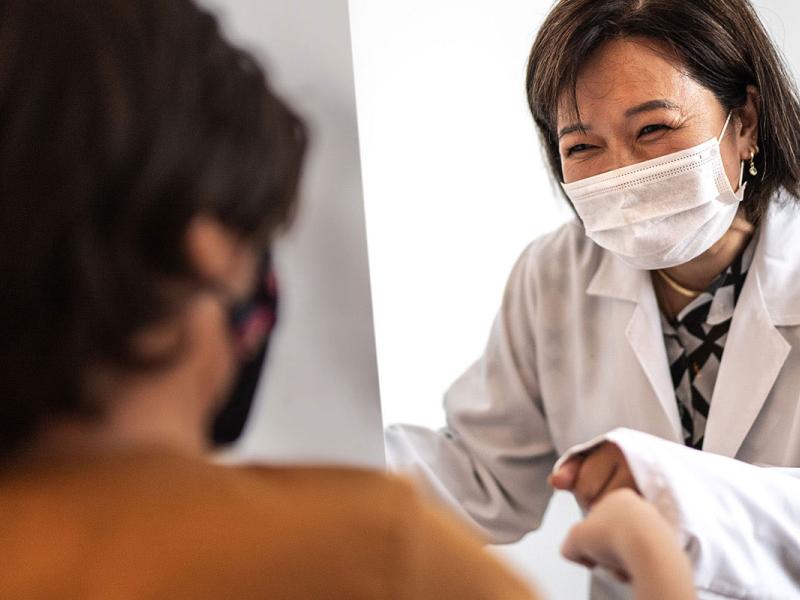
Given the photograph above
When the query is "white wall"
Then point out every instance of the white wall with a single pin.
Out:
(781, 17)
(453, 179)
(455, 187)
(320, 398)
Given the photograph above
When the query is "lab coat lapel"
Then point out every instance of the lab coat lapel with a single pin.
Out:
(755, 350)
(614, 279)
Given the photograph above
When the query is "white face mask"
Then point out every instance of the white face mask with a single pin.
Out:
(662, 212)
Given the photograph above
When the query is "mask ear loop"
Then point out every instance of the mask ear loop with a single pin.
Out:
(741, 174)
(719, 140)
(725, 127)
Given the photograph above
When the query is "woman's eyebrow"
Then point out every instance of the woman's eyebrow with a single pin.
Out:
(661, 103)
(572, 129)
(651, 105)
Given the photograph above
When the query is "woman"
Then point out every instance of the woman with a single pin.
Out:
(669, 306)
(145, 167)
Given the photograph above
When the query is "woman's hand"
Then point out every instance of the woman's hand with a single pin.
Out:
(590, 477)
(625, 535)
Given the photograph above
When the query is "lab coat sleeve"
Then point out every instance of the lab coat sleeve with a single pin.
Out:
(739, 523)
(491, 462)
(789, 472)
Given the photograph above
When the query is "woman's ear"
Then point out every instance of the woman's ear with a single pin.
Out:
(218, 255)
(748, 116)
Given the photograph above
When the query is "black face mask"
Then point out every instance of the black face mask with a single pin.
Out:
(251, 323)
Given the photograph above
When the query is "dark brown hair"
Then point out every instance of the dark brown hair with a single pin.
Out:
(120, 121)
(721, 44)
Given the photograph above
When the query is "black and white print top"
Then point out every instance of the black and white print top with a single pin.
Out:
(695, 340)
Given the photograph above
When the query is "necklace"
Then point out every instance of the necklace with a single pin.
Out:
(683, 291)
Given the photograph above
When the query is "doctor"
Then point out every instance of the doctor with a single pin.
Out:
(672, 306)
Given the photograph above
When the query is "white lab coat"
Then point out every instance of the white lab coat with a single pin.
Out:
(577, 350)
(740, 524)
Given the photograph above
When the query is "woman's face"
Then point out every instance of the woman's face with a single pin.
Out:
(635, 105)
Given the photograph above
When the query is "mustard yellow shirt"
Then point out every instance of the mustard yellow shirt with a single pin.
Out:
(159, 525)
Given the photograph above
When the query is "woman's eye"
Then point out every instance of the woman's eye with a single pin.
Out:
(577, 148)
(651, 129)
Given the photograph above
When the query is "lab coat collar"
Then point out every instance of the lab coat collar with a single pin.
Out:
(615, 279)
(755, 350)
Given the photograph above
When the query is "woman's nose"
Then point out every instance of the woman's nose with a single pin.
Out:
(623, 157)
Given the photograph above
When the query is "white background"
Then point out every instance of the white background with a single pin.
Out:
(455, 187)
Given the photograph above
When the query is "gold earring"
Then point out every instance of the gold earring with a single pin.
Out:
(753, 169)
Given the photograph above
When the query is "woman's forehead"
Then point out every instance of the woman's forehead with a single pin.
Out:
(626, 73)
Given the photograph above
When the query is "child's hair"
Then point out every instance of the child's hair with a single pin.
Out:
(120, 121)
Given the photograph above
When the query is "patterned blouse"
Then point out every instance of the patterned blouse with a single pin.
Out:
(695, 340)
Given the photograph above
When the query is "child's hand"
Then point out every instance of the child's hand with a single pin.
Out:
(627, 536)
